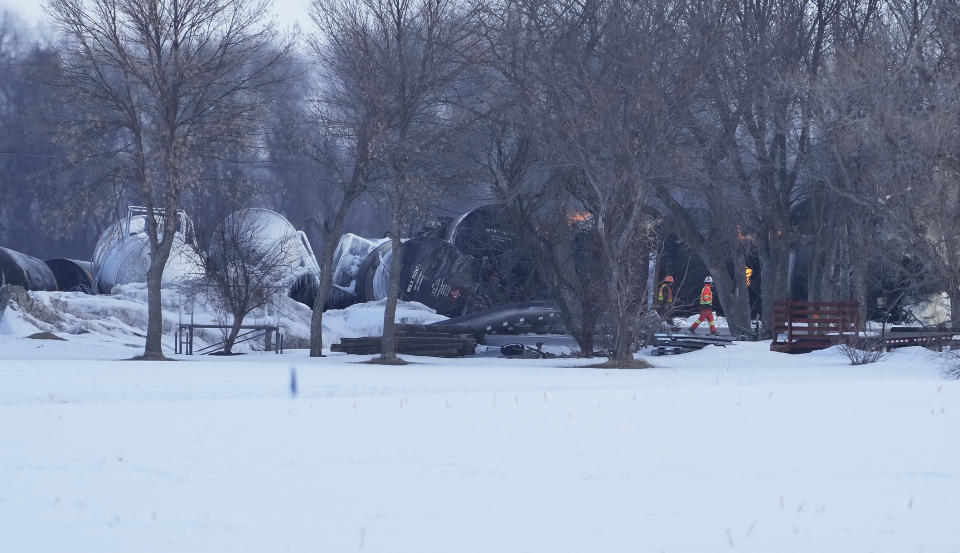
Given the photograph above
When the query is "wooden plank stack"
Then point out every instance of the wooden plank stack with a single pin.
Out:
(414, 339)
(673, 344)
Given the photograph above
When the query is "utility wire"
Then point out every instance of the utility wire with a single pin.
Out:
(237, 162)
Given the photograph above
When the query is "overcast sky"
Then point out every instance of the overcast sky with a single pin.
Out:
(288, 11)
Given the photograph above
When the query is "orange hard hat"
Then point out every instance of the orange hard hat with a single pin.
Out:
(668, 279)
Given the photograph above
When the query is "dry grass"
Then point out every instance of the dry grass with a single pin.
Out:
(32, 307)
(151, 358)
(622, 364)
(46, 336)
(384, 361)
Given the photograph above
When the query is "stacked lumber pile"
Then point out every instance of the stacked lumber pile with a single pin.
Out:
(413, 339)
(673, 344)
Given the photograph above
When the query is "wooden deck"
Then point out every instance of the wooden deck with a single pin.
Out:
(802, 326)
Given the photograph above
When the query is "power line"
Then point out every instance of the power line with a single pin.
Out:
(237, 162)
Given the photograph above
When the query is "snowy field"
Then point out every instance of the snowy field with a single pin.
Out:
(731, 448)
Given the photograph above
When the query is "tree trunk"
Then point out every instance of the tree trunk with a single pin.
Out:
(316, 321)
(623, 350)
(820, 275)
(815, 270)
(736, 299)
(774, 266)
(732, 292)
(389, 343)
(584, 332)
(154, 345)
(326, 279)
(624, 335)
(736, 307)
(159, 254)
(859, 293)
(954, 294)
(232, 335)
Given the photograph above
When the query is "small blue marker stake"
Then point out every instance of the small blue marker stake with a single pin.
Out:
(293, 382)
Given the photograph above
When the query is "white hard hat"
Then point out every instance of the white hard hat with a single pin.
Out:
(708, 280)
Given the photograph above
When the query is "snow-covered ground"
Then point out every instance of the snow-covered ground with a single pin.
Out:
(734, 448)
(120, 318)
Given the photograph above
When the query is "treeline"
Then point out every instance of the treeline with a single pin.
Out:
(755, 131)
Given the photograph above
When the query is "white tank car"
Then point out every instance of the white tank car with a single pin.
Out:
(122, 255)
(272, 234)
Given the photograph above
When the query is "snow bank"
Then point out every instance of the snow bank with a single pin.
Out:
(14, 322)
(121, 318)
(366, 319)
(932, 310)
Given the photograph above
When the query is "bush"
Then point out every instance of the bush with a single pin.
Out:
(952, 360)
(861, 350)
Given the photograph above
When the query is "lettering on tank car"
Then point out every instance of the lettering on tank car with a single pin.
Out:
(416, 279)
(440, 288)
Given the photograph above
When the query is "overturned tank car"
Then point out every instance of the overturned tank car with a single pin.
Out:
(72, 275)
(268, 237)
(469, 268)
(351, 252)
(20, 269)
(432, 271)
(122, 254)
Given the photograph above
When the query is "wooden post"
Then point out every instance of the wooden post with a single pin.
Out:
(789, 323)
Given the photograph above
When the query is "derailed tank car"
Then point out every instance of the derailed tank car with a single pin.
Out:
(267, 234)
(470, 263)
(432, 272)
(348, 259)
(122, 254)
(72, 275)
(20, 269)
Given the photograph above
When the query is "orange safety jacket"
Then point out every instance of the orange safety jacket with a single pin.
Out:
(706, 295)
(669, 292)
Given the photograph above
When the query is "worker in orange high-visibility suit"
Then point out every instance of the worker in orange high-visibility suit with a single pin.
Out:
(665, 295)
(706, 307)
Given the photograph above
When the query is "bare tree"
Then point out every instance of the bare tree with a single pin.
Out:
(347, 118)
(888, 111)
(396, 65)
(167, 83)
(599, 91)
(752, 136)
(248, 267)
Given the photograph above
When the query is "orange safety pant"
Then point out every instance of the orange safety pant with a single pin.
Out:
(706, 314)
